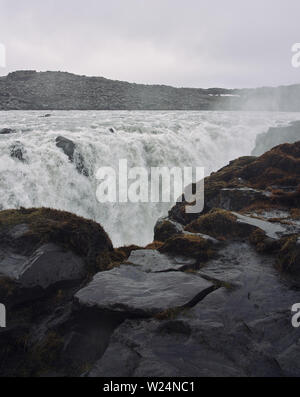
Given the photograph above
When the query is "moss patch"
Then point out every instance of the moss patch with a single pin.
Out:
(110, 259)
(289, 255)
(279, 167)
(262, 243)
(164, 230)
(155, 245)
(220, 224)
(84, 237)
(188, 245)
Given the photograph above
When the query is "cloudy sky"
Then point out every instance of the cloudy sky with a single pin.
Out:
(195, 43)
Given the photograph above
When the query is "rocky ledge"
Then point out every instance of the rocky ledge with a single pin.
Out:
(211, 296)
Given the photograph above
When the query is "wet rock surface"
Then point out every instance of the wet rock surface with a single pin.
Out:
(17, 151)
(153, 261)
(7, 131)
(69, 148)
(138, 293)
(212, 297)
(48, 265)
(242, 330)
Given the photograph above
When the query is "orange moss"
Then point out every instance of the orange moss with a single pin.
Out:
(220, 224)
(295, 213)
(188, 245)
(262, 243)
(155, 245)
(289, 255)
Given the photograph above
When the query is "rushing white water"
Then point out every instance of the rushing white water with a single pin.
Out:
(149, 139)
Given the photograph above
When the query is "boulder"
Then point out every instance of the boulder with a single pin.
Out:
(191, 245)
(24, 232)
(166, 228)
(134, 292)
(45, 257)
(7, 131)
(69, 148)
(235, 199)
(17, 151)
(47, 266)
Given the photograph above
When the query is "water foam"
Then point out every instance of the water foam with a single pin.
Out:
(148, 139)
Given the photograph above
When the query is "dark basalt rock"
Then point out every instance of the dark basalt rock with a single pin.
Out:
(269, 180)
(48, 265)
(45, 257)
(17, 151)
(69, 148)
(6, 131)
(166, 228)
(136, 293)
(240, 331)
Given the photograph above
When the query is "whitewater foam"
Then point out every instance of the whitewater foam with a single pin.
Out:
(146, 139)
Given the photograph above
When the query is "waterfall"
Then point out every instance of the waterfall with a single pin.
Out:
(46, 177)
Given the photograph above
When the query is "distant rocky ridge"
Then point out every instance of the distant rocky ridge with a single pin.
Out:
(31, 90)
(210, 296)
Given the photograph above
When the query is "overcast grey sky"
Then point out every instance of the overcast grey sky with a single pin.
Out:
(195, 43)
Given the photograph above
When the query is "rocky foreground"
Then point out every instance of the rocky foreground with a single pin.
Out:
(211, 296)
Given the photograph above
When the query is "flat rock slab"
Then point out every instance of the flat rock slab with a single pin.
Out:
(161, 349)
(134, 292)
(272, 230)
(240, 331)
(154, 261)
(46, 266)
